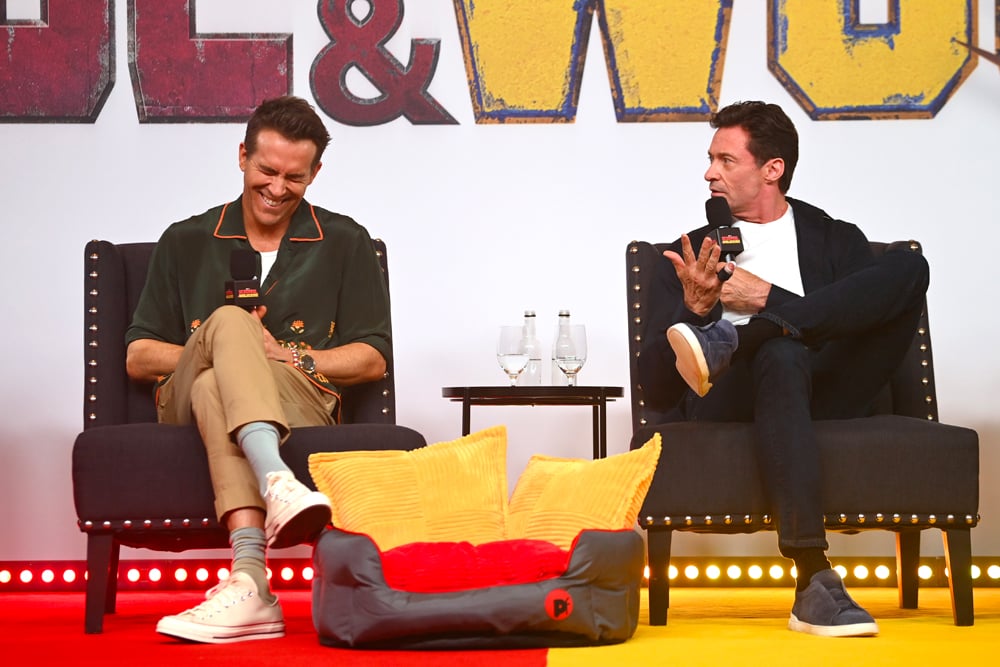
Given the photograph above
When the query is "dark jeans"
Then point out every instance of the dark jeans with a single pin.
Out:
(846, 340)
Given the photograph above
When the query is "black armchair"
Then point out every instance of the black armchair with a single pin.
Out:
(142, 484)
(898, 470)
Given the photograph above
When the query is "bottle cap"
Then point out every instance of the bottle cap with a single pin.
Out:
(563, 313)
(529, 313)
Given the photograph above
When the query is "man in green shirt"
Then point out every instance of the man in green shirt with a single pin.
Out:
(247, 376)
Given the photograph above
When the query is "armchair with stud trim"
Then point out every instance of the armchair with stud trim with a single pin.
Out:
(898, 470)
(142, 484)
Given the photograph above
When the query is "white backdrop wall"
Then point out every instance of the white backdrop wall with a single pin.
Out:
(481, 222)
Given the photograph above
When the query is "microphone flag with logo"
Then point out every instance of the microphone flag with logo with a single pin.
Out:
(720, 219)
(244, 288)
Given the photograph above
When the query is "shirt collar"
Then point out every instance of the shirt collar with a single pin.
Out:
(304, 225)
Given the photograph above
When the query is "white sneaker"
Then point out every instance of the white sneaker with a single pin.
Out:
(294, 513)
(233, 613)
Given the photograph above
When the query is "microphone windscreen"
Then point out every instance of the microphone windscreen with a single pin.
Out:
(243, 264)
(718, 213)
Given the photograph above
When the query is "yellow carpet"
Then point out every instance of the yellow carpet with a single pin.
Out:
(748, 626)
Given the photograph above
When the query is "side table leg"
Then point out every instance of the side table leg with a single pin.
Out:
(604, 425)
(597, 432)
(466, 414)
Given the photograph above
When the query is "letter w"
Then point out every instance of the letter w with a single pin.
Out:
(525, 60)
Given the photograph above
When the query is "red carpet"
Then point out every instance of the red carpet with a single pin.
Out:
(47, 629)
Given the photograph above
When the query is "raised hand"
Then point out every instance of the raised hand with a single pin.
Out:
(698, 275)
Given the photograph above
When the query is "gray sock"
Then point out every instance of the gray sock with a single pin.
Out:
(259, 442)
(249, 556)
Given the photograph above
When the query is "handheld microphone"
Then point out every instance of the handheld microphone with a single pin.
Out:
(244, 288)
(729, 238)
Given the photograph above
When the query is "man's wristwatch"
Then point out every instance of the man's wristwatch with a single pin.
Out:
(303, 361)
(306, 363)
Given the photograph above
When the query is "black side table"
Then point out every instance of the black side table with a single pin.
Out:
(597, 397)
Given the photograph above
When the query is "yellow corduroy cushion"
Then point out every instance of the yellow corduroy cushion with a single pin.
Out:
(557, 498)
(446, 492)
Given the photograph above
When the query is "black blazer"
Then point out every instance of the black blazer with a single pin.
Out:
(828, 250)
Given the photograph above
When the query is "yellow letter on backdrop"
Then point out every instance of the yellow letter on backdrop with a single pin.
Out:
(837, 67)
(525, 59)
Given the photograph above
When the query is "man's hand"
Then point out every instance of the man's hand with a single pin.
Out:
(745, 292)
(698, 275)
(272, 350)
(347, 364)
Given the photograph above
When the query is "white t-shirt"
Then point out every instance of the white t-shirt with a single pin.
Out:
(770, 252)
(266, 262)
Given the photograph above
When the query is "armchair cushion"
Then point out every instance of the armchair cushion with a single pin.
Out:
(133, 477)
(867, 463)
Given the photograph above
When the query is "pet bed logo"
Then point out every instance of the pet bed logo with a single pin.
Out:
(559, 605)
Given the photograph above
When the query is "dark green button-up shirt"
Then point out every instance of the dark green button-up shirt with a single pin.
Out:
(325, 289)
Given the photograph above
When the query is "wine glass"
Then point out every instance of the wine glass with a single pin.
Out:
(511, 357)
(571, 351)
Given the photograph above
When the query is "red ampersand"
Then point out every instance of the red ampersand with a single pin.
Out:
(360, 43)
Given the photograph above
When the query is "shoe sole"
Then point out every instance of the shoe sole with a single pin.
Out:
(300, 524)
(204, 634)
(691, 362)
(852, 630)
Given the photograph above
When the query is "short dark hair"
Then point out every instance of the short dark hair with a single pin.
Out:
(772, 134)
(291, 117)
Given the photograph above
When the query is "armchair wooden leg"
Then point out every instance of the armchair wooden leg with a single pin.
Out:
(111, 596)
(958, 558)
(102, 580)
(658, 549)
(907, 566)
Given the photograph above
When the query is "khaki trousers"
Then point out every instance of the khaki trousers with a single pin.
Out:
(224, 381)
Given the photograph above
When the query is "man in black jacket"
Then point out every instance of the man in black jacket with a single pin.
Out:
(803, 324)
